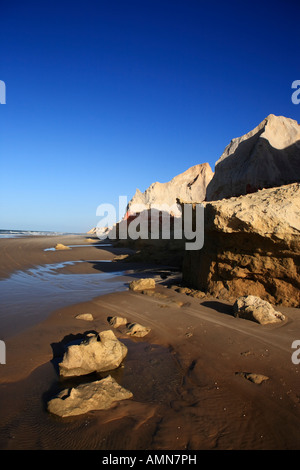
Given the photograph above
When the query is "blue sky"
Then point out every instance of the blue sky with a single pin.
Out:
(103, 97)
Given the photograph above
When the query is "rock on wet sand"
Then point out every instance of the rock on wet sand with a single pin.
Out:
(96, 353)
(258, 310)
(97, 395)
(60, 246)
(141, 284)
(85, 316)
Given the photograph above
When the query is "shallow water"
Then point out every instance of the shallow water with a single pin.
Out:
(148, 371)
(28, 297)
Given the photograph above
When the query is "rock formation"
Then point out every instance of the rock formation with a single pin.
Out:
(153, 218)
(268, 156)
(251, 247)
(189, 186)
(96, 353)
(97, 395)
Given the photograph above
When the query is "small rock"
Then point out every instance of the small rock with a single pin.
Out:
(60, 246)
(246, 353)
(141, 284)
(198, 294)
(98, 395)
(183, 290)
(120, 257)
(255, 378)
(85, 316)
(255, 309)
(135, 329)
(117, 321)
(189, 334)
(179, 303)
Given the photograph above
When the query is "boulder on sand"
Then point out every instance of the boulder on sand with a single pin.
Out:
(141, 284)
(96, 353)
(258, 310)
(98, 395)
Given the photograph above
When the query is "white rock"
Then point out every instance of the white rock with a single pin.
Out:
(97, 353)
(98, 395)
(258, 310)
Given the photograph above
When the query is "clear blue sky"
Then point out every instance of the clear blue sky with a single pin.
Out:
(106, 96)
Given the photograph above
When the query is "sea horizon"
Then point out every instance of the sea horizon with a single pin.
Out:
(16, 233)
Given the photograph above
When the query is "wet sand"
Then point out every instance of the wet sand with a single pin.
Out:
(184, 375)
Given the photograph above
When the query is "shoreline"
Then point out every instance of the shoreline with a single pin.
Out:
(187, 394)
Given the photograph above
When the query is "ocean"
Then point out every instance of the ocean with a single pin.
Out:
(29, 233)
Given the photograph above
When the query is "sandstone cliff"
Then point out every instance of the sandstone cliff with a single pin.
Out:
(268, 156)
(251, 246)
(189, 186)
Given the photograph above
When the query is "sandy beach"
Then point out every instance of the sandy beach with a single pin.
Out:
(186, 375)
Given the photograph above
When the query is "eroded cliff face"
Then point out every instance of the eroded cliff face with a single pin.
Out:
(189, 186)
(251, 247)
(268, 156)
